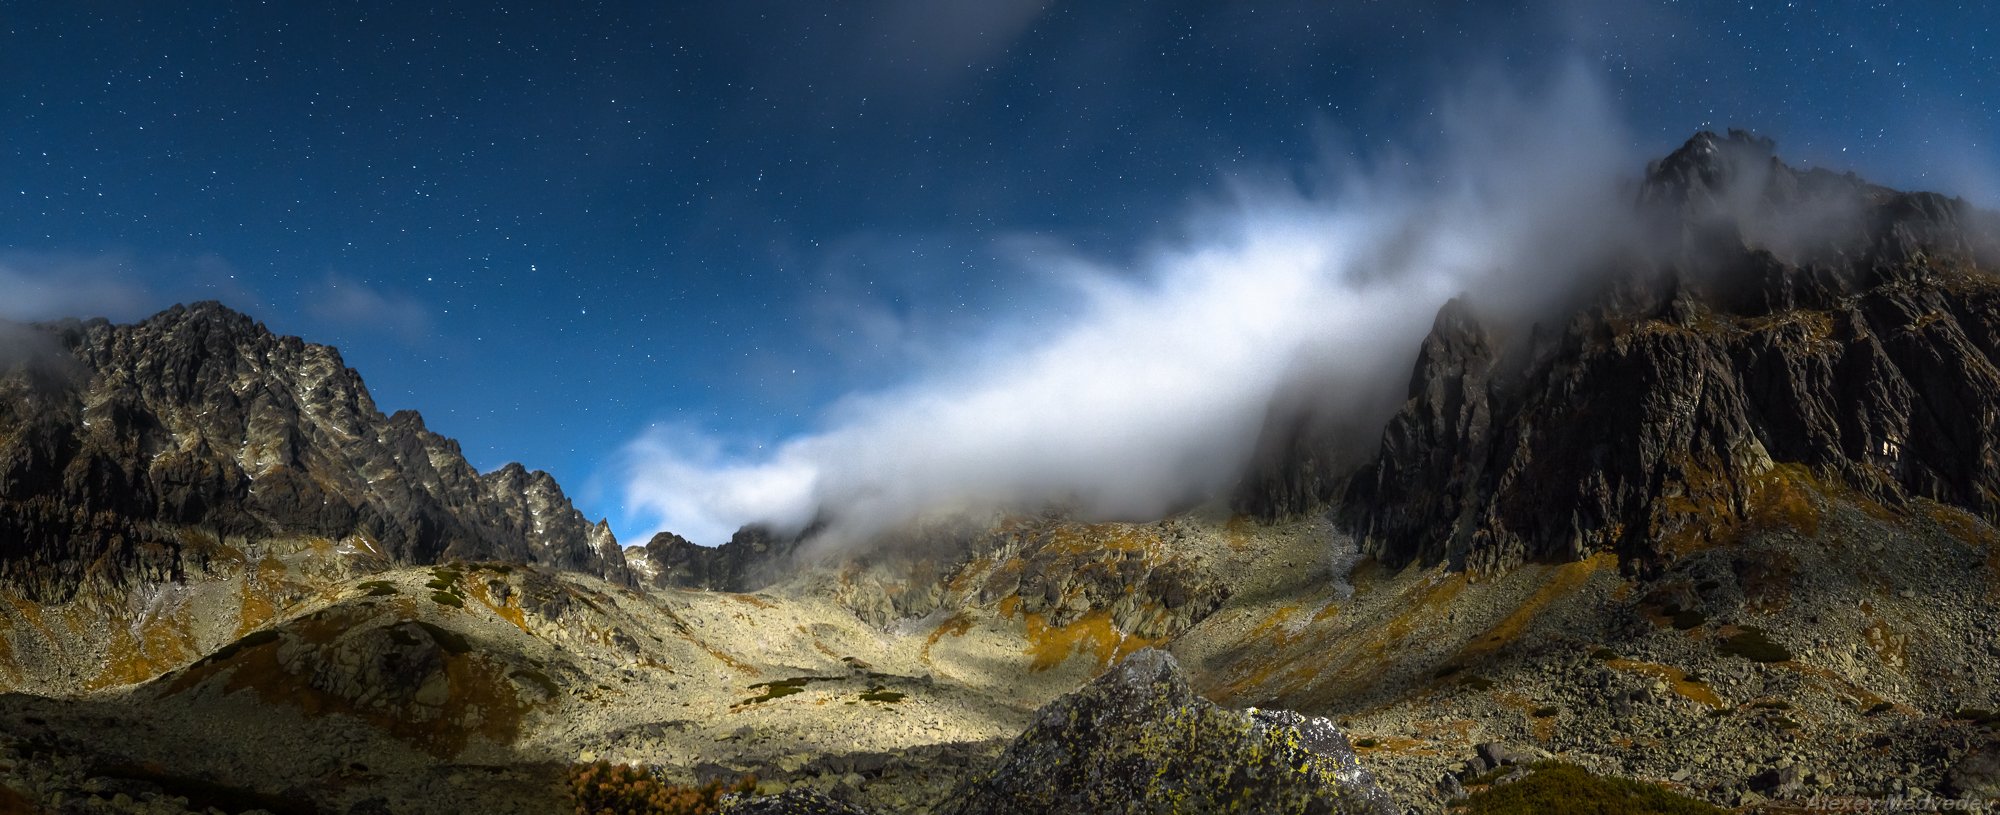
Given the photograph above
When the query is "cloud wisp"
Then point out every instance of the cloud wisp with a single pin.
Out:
(346, 302)
(1146, 389)
(47, 286)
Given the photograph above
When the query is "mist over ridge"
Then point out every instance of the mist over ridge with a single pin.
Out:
(1149, 388)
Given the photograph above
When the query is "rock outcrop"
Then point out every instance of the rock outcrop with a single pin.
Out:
(127, 452)
(1784, 330)
(1139, 740)
(751, 559)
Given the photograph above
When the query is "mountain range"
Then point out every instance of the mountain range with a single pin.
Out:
(1719, 531)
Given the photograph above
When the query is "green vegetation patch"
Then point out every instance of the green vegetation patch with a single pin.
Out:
(882, 694)
(536, 678)
(781, 688)
(1754, 645)
(451, 641)
(250, 640)
(1687, 618)
(1976, 715)
(378, 588)
(445, 579)
(445, 598)
(1557, 787)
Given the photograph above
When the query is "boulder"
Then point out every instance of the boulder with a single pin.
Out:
(1138, 739)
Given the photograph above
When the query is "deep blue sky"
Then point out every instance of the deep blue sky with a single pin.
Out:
(548, 226)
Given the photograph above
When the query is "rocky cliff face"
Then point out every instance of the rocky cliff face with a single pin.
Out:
(1788, 328)
(127, 452)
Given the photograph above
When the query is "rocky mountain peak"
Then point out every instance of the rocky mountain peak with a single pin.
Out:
(1786, 330)
(199, 424)
(1709, 168)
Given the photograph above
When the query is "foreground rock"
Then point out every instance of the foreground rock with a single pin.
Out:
(1139, 740)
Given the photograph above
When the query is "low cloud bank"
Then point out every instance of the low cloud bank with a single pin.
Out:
(1148, 387)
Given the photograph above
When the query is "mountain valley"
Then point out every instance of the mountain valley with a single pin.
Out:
(1725, 527)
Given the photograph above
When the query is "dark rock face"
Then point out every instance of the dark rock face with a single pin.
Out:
(1139, 740)
(753, 558)
(123, 449)
(1790, 330)
(1427, 471)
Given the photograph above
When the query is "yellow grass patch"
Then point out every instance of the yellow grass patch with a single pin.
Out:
(32, 615)
(954, 626)
(1891, 647)
(1453, 731)
(7, 665)
(1543, 728)
(1859, 696)
(1562, 581)
(1788, 496)
(160, 644)
(1675, 679)
(1426, 607)
(1236, 532)
(1092, 634)
(259, 585)
(1392, 744)
(509, 611)
(752, 600)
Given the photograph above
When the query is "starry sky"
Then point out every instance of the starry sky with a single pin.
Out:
(550, 226)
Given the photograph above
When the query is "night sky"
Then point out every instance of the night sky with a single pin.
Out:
(550, 227)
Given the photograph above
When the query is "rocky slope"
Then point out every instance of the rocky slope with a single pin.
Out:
(139, 453)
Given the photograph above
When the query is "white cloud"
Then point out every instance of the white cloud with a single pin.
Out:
(1148, 386)
(47, 286)
(348, 302)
